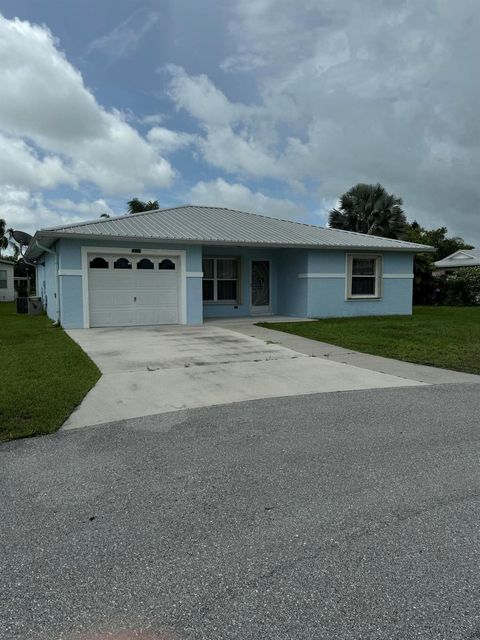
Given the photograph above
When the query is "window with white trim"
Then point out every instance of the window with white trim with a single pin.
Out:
(220, 279)
(3, 279)
(364, 276)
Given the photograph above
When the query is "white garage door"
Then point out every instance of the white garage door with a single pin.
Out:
(133, 290)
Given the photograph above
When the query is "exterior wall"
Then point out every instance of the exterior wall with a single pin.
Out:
(71, 293)
(47, 284)
(71, 277)
(327, 286)
(8, 294)
(246, 255)
(304, 283)
(292, 290)
(312, 284)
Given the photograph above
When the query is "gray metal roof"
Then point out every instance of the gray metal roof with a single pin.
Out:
(461, 258)
(216, 225)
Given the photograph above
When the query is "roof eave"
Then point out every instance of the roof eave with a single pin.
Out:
(461, 265)
(52, 236)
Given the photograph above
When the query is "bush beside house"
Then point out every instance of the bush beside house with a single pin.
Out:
(460, 287)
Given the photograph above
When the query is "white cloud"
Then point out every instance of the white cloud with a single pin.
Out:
(352, 92)
(44, 101)
(167, 141)
(27, 211)
(199, 96)
(238, 196)
(154, 118)
(84, 208)
(242, 62)
(235, 139)
(20, 164)
(124, 39)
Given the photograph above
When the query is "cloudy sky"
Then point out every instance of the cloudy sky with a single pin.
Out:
(270, 106)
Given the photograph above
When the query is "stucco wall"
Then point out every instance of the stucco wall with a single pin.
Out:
(304, 283)
(71, 283)
(323, 292)
(292, 290)
(7, 294)
(246, 255)
(47, 284)
(327, 293)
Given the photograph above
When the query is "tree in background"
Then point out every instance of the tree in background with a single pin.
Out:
(428, 289)
(4, 242)
(137, 206)
(370, 209)
(7, 241)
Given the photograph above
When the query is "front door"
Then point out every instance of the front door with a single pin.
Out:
(260, 286)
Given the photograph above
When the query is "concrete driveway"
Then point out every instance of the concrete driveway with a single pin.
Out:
(151, 370)
(350, 516)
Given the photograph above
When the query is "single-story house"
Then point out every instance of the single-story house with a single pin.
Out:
(184, 264)
(459, 259)
(7, 291)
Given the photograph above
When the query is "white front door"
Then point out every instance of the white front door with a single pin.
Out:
(127, 290)
(260, 287)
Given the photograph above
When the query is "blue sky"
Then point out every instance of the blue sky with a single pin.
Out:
(264, 105)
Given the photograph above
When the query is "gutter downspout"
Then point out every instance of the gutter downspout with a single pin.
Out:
(55, 253)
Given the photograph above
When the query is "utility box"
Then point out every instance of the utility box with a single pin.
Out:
(35, 306)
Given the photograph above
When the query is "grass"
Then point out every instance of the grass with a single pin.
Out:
(446, 337)
(44, 375)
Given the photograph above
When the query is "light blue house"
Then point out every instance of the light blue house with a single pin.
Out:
(181, 265)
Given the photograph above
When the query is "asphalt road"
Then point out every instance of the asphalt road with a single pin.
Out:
(333, 516)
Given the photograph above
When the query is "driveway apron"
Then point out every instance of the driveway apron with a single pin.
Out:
(150, 370)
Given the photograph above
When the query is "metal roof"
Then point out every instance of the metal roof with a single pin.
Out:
(217, 225)
(461, 258)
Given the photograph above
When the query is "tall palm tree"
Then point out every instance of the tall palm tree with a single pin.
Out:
(370, 209)
(137, 206)
(11, 242)
(3, 238)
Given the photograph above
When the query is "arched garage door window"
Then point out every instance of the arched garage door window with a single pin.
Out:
(166, 264)
(98, 263)
(145, 263)
(122, 263)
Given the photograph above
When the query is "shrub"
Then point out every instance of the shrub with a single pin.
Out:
(463, 286)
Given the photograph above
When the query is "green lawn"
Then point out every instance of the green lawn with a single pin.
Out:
(447, 337)
(44, 375)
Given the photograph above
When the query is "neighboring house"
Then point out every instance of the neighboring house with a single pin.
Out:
(459, 259)
(7, 291)
(188, 263)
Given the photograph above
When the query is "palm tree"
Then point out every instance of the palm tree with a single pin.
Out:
(3, 238)
(13, 244)
(370, 209)
(137, 206)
